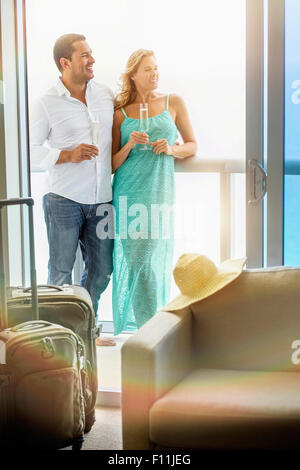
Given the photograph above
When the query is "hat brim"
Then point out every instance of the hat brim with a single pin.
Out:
(228, 271)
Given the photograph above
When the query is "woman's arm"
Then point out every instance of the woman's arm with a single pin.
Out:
(183, 123)
(119, 155)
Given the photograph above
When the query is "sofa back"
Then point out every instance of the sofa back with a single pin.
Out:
(251, 323)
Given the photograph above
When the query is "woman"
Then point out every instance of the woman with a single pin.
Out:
(143, 184)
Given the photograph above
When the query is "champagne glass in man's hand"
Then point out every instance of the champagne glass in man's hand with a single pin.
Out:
(78, 154)
(95, 132)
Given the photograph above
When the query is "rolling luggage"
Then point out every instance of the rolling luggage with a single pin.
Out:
(41, 369)
(71, 307)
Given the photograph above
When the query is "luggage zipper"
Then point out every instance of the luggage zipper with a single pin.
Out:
(51, 299)
(15, 342)
(92, 329)
(48, 347)
(27, 301)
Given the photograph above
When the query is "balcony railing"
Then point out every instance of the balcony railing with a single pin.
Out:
(226, 168)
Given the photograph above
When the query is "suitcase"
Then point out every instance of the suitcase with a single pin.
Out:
(41, 370)
(71, 307)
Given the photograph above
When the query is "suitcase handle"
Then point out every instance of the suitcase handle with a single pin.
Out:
(44, 286)
(16, 201)
(3, 307)
(31, 325)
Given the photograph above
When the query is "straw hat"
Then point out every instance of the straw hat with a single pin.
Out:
(198, 277)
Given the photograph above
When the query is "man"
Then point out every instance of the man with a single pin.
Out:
(78, 172)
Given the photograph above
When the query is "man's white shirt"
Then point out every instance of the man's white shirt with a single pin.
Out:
(59, 122)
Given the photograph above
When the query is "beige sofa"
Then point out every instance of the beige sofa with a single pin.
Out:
(218, 374)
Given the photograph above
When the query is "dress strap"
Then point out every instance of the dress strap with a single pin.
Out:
(168, 96)
(123, 111)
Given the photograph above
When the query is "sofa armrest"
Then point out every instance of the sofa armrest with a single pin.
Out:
(155, 359)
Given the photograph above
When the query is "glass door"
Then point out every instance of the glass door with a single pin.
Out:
(255, 174)
(272, 141)
(205, 65)
(282, 149)
(14, 181)
(274, 130)
(291, 165)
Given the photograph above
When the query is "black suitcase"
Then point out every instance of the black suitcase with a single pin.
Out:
(41, 370)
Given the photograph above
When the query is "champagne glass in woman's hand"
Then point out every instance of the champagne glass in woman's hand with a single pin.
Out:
(144, 122)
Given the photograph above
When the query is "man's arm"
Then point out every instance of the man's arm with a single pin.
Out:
(40, 155)
(44, 157)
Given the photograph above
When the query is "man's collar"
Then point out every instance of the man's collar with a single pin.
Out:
(63, 90)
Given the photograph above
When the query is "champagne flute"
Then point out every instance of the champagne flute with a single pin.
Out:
(95, 133)
(144, 122)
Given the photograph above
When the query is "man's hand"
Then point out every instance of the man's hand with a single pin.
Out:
(83, 152)
(80, 153)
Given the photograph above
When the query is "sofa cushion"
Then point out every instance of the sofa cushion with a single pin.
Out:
(233, 409)
(251, 323)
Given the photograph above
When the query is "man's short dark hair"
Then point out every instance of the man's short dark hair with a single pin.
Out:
(64, 47)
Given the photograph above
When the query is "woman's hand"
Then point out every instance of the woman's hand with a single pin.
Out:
(161, 146)
(137, 138)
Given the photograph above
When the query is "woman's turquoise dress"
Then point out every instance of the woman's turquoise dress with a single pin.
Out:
(143, 198)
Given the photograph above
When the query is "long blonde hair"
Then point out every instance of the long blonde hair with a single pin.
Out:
(127, 93)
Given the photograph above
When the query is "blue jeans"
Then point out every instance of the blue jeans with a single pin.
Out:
(69, 223)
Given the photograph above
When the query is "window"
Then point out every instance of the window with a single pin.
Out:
(200, 47)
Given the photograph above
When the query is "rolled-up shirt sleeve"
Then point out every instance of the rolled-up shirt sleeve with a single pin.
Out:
(40, 155)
